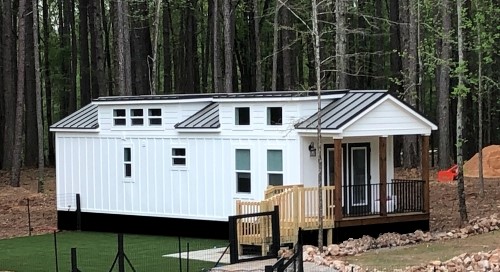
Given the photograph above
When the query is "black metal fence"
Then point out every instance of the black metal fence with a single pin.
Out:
(403, 196)
(295, 263)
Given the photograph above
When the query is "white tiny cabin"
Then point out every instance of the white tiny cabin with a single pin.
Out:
(193, 156)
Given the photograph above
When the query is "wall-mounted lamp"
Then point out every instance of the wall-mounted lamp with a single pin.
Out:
(312, 150)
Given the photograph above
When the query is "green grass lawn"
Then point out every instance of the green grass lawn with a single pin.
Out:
(97, 251)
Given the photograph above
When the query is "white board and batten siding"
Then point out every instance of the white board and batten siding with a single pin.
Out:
(203, 189)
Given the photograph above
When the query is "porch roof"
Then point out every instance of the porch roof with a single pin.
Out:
(83, 119)
(344, 113)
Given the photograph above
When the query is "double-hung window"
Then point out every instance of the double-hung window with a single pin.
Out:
(127, 162)
(154, 116)
(243, 171)
(178, 157)
(137, 117)
(275, 167)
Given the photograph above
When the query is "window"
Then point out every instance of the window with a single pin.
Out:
(154, 117)
(178, 156)
(137, 117)
(274, 116)
(243, 175)
(242, 116)
(119, 117)
(275, 167)
(127, 161)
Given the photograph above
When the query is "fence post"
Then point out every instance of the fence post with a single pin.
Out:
(78, 213)
(74, 264)
(121, 254)
(300, 250)
(233, 240)
(276, 231)
(180, 253)
(187, 258)
(268, 268)
(55, 251)
(29, 217)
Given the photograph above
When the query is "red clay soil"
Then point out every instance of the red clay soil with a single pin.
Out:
(491, 163)
(14, 213)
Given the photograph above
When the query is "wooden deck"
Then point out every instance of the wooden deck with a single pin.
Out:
(298, 208)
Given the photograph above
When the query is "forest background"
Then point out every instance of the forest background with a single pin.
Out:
(440, 56)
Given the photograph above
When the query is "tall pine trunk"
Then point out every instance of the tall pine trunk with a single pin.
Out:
(461, 94)
(167, 49)
(19, 120)
(2, 110)
(228, 45)
(9, 83)
(97, 57)
(85, 94)
(47, 80)
(140, 47)
(38, 94)
(154, 62)
(218, 77)
(341, 44)
(121, 39)
(258, 62)
(443, 105)
(74, 58)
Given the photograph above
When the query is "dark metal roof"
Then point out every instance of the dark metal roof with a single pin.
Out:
(341, 111)
(208, 117)
(219, 95)
(84, 118)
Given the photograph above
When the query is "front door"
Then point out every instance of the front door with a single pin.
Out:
(356, 188)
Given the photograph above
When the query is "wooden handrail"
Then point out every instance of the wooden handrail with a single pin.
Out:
(298, 209)
(274, 190)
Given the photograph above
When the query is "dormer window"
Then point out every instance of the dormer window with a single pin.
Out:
(137, 117)
(274, 116)
(154, 116)
(242, 116)
(119, 118)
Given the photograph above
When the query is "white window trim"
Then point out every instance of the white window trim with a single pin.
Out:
(282, 172)
(132, 168)
(177, 166)
(242, 127)
(145, 116)
(235, 171)
(267, 117)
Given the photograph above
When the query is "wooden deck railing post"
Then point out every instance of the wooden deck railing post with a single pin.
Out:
(296, 207)
(382, 146)
(425, 171)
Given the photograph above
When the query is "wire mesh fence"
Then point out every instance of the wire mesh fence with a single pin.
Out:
(95, 251)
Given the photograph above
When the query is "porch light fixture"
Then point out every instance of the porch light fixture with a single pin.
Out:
(312, 150)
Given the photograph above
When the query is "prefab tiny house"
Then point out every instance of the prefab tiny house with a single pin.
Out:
(199, 156)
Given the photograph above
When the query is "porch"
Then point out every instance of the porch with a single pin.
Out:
(344, 204)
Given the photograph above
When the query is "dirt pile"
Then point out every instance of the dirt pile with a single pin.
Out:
(491, 163)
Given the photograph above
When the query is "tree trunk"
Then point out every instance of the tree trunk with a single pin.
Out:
(74, 58)
(218, 77)
(2, 110)
(286, 44)
(123, 83)
(9, 83)
(108, 71)
(167, 51)
(18, 128)
(341, 44)
(317, 69)
(30, 137)
(409, 60)
(97, 62)
(443, 105)
(258, 63)
(462, 92)
(140, 47)
(228, 45)
(207, 48)
(47, 80)
(276, 27)
(395, 47)
(38, 93)
(154, 63)
(85, 95)
(191, 70)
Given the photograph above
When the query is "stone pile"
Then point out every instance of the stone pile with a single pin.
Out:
(356, 246)
(481, 261)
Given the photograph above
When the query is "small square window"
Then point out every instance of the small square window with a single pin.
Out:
(154, 117)
(137, 117)
(119, 117)
(242, 116)
(274, 116)
(178, 156)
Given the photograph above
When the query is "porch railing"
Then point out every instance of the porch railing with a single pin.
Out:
(403, 196)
